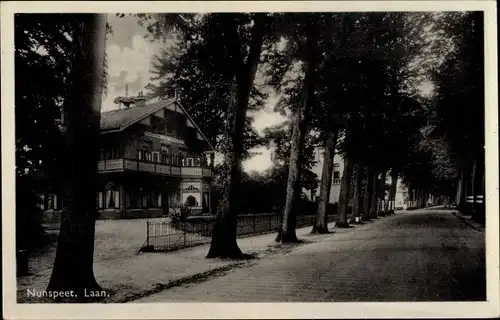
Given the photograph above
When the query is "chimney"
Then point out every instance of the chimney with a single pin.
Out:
(140, 100)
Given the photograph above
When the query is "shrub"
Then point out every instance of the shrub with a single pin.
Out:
(179, 213)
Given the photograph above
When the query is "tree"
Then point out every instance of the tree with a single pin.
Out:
(344, 194)
(367, 196)
(460, 83)
(226, 47)
(357, 197)
(204, 90)
(73, 265)
(224, 233)
(320, 223)
(300, 121)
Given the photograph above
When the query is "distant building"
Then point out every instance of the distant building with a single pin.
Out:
(153, 156)
(402, 196)
(338, 168)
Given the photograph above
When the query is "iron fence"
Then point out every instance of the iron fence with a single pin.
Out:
(169, 236)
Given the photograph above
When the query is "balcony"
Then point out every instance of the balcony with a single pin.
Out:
(122, 165)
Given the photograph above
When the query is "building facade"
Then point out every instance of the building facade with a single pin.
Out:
(401, 197)
(153, 157)
(338, 169)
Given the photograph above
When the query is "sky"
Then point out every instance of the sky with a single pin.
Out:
(129, 63)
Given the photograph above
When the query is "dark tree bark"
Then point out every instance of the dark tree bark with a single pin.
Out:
(368, 195)
(300, 122)
(344, 193)
(321, 222)
(212, 159)
(382, 211)
(417, 198)
(392, 195)
(375, 193)
(478, 213)
(356, 204)
(73, 265)
(224, 243)
(462, 192)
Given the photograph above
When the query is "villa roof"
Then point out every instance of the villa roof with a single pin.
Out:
(121, 118)
(118, 120)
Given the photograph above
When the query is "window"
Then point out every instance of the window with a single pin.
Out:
(112, 199)
(112, 152)
(55, 202)
(156, 156)
(165, 149)
(180, 159)
(100, 203)
(158, 199)
(147, 200)
(133, 199)
(336, 174)
(144, 154)
(165, 158)
(41, 201)
(189, 162)
(115, 152)
(50, 201)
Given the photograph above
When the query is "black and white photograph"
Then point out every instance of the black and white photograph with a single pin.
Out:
(340, 153)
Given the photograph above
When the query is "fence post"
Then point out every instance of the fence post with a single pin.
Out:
(147, 233)
(184, 234)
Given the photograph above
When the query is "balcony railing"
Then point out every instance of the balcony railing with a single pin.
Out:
(120, 165)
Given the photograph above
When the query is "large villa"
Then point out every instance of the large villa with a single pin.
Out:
(153, 156)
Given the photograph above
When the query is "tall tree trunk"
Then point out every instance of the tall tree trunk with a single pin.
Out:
(212, 159)
(224, 243)
(300, 122)
(375, 193)
(421, 198)
(356, 205)
(478, 204)
(344, 193)
(368, 195)
(321, 223)
(394, 186)
(417, 199)
(73, 264)
(382, 212)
